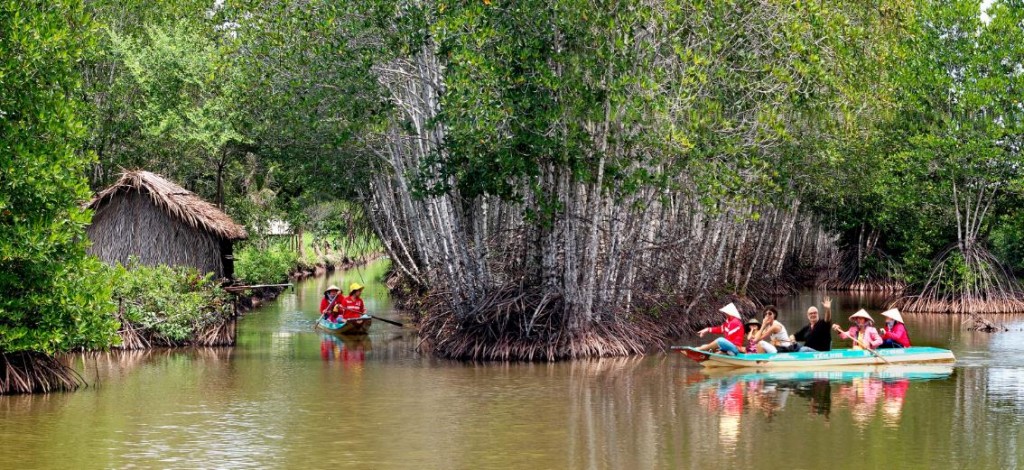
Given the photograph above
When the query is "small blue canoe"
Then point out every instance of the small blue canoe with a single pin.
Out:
(352, 326)
(817, 360)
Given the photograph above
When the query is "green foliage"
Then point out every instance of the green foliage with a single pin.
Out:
(173, 304)
(949, 139)
(187, 91)
(249, 104)
(957, 273)
(54, 297)
(267, 265)
(867, 114)
(1007, 240)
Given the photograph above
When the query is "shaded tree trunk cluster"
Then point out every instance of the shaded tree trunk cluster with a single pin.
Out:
(601, 276)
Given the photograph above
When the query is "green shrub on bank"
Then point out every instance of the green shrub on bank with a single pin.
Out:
(270, 261)
(170, 304)
(264, 266)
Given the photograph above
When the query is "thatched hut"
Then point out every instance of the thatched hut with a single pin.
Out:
(156, 221)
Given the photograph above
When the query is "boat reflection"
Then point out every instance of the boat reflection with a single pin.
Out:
(350, 349)
(866, 392)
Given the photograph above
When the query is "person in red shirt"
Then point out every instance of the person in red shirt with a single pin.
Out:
(352, 306)
(331, 296)
(894, 335)
(732, 330)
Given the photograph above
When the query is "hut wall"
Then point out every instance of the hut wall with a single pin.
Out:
(130, 224)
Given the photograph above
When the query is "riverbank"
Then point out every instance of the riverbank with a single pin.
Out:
(174, 307)
(253, 298)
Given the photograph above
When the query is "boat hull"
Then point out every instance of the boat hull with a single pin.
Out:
(817, 360)
(910, 371)
(353, 326)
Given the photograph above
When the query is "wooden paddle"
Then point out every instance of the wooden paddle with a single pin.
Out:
(330, 305)
(872, 351)
(385, 320)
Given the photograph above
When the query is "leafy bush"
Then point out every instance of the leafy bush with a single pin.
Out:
(1008, 241)
(52, 297)
(170, 304)
(267, 266)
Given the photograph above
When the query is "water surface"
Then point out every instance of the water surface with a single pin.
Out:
(289, 397)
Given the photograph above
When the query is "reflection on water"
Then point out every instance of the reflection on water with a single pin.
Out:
(344, 349)
(290, 397)
(867, 393)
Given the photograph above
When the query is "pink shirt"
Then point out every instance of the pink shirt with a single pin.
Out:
(871, 338)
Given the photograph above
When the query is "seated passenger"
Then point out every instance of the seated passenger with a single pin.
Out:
(894, 335)
(863, 332)
(330, 305)
(353, 306)
(732, 329)
(817, 335)
(753, 329)
(773, 337)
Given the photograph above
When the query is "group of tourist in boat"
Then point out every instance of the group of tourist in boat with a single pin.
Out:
(338, 307)
(769, 335)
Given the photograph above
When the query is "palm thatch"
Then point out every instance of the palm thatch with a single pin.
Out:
(145, 216)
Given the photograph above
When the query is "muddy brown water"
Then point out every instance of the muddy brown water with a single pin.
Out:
(289, 397)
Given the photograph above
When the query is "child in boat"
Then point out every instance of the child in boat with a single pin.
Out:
(753, 329)
(863, 332)
(773, 337)
(732, 329)
(331, 297)
(894, 335)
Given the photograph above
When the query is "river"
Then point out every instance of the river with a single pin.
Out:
(289, 397)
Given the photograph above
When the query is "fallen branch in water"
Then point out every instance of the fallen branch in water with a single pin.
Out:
(984, 324)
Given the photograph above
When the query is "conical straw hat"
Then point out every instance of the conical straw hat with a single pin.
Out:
(894, 314)
(731, 310)
(862, 314)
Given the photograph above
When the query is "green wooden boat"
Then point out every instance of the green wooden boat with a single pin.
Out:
(352, 326)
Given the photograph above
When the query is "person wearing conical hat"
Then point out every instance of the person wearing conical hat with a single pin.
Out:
(894, 335)
(732, 329)
(353, 306)
(330, 304)
(862, 332)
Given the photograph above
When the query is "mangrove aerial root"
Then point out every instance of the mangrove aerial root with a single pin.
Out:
(30, 372)
(221, 333)
(986, 288)
(510, 325)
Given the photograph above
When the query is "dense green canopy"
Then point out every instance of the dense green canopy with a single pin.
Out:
(53, 297)
(657, 151)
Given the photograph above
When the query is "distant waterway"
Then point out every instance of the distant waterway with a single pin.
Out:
(290, 397)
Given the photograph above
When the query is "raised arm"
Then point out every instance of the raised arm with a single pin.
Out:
(826, 303)
(766, 332)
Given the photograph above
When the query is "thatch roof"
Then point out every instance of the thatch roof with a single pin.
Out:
(177, 201)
